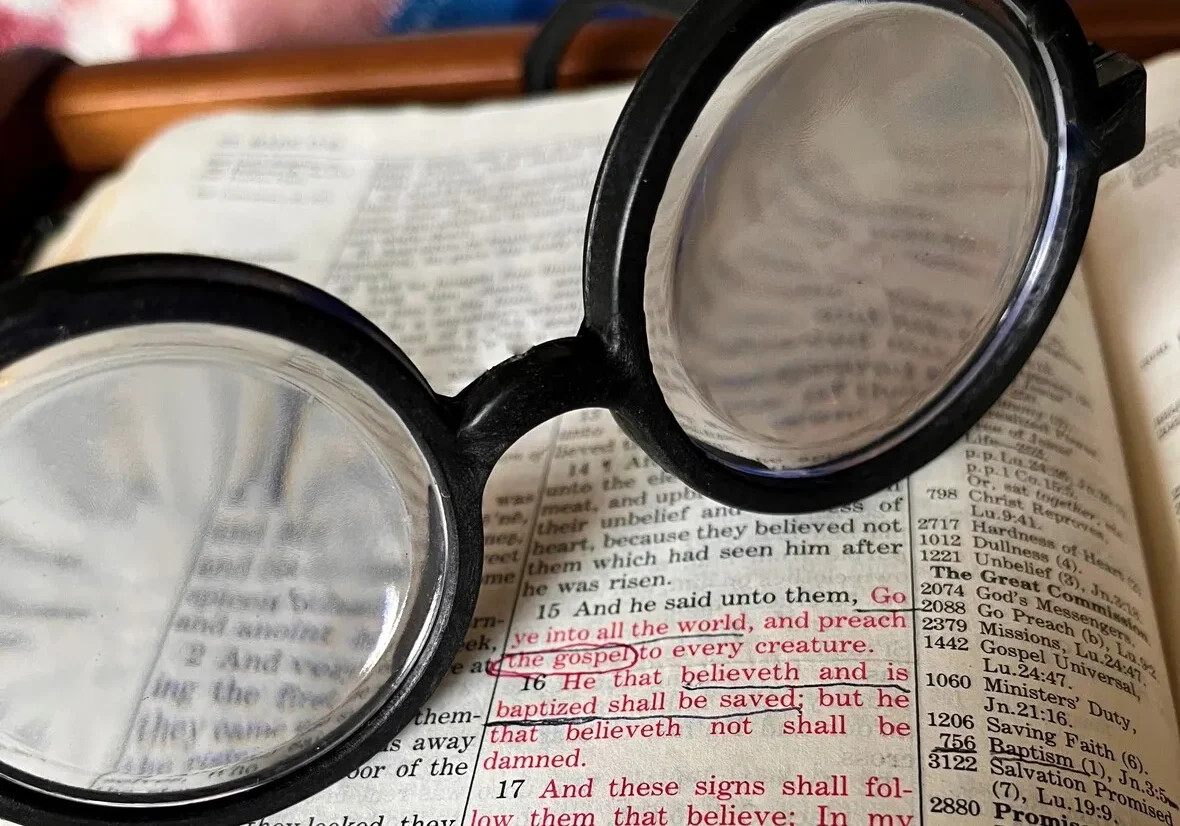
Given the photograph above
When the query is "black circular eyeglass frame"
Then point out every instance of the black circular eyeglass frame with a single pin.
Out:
(606, 365)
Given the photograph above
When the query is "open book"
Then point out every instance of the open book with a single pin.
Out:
(996, 639)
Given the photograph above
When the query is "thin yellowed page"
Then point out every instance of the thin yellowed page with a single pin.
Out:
(976, 644)
(1133, 264)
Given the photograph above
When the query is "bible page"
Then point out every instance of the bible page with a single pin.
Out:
(975, 644)
(1133, 265)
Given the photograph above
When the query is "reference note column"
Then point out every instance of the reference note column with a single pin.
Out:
(1040, 676)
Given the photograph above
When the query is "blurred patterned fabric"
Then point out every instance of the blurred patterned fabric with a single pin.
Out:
(96, 31)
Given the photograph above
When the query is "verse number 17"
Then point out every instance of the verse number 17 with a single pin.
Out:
(516, 786)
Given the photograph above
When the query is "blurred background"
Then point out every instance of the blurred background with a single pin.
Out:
(102, 31)
(105, 31)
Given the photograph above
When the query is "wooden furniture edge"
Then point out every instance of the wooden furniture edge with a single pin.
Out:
(101, 114)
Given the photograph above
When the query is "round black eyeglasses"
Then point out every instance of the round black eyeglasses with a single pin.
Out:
(825, 237)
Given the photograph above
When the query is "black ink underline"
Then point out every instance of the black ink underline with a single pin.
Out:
(616, 643)
(894, 686)
(578, 721)
(1017, 759)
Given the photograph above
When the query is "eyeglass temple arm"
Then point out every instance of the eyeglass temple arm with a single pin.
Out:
(33, 170)
(543, 58)
(1122, 107)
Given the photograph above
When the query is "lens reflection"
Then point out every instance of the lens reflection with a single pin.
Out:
(846, 222)
(216, 553)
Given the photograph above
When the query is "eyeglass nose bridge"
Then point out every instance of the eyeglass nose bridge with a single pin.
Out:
(524, 392)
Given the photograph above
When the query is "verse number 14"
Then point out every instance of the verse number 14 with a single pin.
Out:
(514, 785)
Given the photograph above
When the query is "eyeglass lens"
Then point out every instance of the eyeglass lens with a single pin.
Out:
(217, 552)
(846, 223)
